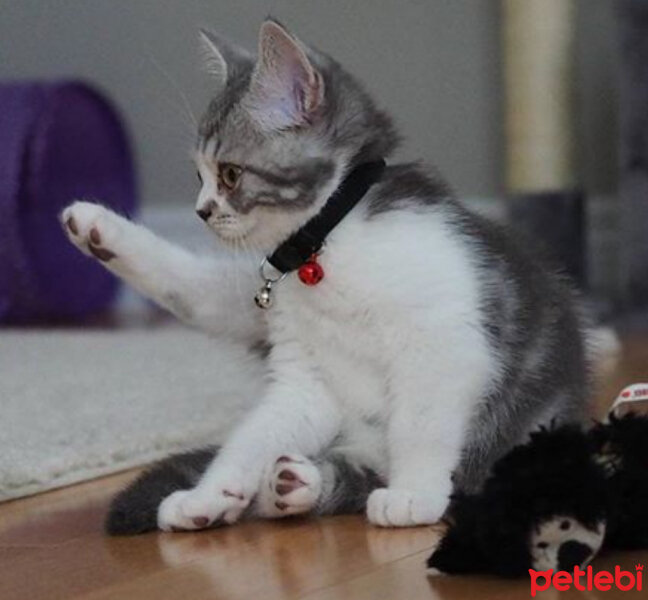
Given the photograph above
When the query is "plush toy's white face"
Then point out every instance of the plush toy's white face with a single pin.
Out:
(563, 542)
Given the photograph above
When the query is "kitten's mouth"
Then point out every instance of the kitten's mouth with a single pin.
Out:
(223, 221)
(228, 228)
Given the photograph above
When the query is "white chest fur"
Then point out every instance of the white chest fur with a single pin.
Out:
(393, 285)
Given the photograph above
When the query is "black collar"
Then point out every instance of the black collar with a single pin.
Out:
(308, 240)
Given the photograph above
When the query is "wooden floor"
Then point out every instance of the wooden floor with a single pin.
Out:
(52, 546)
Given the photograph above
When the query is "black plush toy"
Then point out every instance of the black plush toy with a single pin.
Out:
(554, 503)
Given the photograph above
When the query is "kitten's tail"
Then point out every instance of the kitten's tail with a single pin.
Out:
(134, 509)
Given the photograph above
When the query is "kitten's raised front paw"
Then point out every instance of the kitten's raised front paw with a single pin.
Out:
(91, 228)
(292, 486)
(401, 508)
(200, 508)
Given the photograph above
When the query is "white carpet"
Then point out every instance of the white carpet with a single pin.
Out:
(79, 404)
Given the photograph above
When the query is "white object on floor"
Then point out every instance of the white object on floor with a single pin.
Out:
(604, 348)
(80, 404)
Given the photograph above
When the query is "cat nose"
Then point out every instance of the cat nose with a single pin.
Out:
(204, 213)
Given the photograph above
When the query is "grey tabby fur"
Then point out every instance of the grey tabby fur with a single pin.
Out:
(345, 488)
(528, 310)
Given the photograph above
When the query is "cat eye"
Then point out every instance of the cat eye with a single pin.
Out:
(229, 175)
(199, 177)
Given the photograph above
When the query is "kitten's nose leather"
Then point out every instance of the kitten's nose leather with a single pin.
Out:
(204, 213)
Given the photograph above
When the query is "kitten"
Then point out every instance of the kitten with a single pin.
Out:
(435, 343)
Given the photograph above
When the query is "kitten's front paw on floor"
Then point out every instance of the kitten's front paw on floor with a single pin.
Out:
(91, 228)
(188, 510)
(401, 508)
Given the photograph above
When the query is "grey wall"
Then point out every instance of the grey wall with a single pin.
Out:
(597, 94)
(433, 63)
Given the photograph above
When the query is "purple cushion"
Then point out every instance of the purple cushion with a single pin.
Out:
(59, 142)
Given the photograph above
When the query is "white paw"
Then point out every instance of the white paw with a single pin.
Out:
(292, 486)
(563, 542)
(92, 228)
(401, 508)
(201, 508)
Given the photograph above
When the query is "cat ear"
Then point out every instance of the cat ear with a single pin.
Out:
(223, 59)
(286, 89)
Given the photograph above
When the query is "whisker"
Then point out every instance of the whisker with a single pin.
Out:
(185, 138)
(237, 269)
(185, 102)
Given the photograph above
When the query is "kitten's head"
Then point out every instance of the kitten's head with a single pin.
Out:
(279, 135)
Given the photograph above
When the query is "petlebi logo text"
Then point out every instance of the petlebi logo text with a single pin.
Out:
(587, 579)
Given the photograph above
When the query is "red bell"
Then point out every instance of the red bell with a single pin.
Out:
(311, 272)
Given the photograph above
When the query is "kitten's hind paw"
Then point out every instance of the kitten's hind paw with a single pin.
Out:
(200, 508)
(134, 510)
(292, 486)
(92, 228)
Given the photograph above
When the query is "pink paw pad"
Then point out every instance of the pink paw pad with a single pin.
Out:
(293, 487)
(72, 225)
(287, 482)
(200, 521)
(103, 254)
